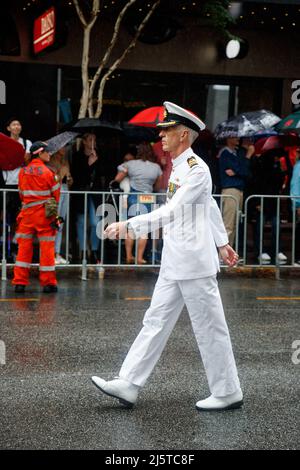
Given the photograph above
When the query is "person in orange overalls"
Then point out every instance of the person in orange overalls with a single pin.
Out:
(37, 184)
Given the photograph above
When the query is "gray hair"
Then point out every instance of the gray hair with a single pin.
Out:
(192, 134)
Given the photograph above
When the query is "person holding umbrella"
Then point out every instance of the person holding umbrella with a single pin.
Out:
(193, 228)
(88, 174)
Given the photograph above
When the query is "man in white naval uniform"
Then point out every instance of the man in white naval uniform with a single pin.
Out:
(193, 228)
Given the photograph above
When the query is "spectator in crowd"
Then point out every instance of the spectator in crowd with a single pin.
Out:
(234, 171)
(60, 163)
(295, 191)
(9, 179)
(268, 178)
(129, 155)
(145, 176)
(164, 159)
(88, 174)
(14, 128)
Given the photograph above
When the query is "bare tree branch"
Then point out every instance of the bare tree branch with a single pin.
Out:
(88, 88)
(108, 52)
(94, 15)
(85, 53)
(121, 58)
(80, 13)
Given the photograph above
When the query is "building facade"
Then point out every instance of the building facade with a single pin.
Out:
(188, 69)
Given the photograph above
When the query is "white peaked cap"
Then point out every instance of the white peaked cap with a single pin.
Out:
(175, 115)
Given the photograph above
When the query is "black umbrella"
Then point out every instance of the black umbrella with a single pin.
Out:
(246, 124)
(94, 125)
(137, 134)
(59, 141)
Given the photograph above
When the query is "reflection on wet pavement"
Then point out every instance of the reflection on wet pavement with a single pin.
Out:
(54, 343)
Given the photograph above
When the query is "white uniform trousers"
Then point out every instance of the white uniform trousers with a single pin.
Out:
(202, 298)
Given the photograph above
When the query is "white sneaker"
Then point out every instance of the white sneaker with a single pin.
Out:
(282, 259)
(125, 391)
(60, 260)
(230, 402)
(264, 258)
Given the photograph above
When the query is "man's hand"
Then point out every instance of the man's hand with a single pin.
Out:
(250, 151)
(228, 255)
(230, 172)
(116, 230)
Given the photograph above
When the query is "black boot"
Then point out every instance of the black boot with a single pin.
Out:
(19, 288)
(49, 289)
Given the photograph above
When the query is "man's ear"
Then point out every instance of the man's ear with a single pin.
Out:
(183, 134)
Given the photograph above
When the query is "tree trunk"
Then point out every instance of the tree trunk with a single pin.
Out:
(85, 73)
(87, 27)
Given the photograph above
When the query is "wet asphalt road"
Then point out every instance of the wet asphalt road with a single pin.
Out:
(54, 343)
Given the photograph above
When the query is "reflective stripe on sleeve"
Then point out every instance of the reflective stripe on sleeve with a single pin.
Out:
(22, 264)
(30, 192)
(47, 268)
(46, 239)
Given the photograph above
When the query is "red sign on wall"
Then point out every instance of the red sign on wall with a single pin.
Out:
(44, 31)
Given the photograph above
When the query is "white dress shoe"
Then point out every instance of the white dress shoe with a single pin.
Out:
(264, 258)
(125, 391)
(60, 260)
(282, 259)
(230, 402)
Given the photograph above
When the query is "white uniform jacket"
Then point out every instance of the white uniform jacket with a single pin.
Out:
(191, 220)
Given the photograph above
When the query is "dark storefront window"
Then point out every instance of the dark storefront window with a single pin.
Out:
(213, 99)
(31, 92)
(33, 98)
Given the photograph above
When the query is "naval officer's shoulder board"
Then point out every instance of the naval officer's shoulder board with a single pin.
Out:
(192, 161)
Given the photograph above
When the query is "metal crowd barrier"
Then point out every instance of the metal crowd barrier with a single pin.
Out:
(277, 225)
(117, 202)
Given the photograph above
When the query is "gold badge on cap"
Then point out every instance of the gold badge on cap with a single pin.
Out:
(165, 113)
(192, 161)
